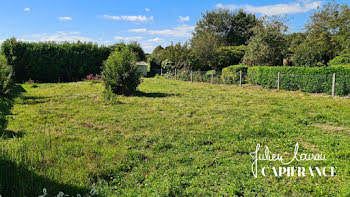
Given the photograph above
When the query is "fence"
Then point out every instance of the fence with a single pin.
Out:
(324, 83)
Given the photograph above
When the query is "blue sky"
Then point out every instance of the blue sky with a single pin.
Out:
(151, 23)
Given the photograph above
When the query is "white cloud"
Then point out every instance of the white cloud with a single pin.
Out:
(147, 9)
(139, 18)
(183, 18)
(65, 18)
(179, 31)
(27, 9)
(156, 40)
(137, 30)
(131, 38)
(61, 37)
(276, 9)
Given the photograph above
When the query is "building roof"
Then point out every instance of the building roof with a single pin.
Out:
(142, 63)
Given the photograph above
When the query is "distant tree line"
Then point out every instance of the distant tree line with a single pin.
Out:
(223, 38)
(59, 62)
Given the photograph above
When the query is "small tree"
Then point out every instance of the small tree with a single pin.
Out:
(268, 45)
(5, 76)
(120, 73)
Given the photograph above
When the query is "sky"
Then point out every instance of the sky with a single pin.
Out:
(151, 23)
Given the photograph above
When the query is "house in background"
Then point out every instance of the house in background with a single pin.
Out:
(142, 67)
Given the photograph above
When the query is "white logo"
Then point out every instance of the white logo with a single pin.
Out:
(289, 170)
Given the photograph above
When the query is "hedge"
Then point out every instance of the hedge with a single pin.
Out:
(306, 79)
(53, 62)
(231, 74)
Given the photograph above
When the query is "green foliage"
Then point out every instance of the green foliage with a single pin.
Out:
(231, 55)
(294, 40)
(120, 73)
(156, 58)
(268, 45)
(134, 47)
(231, 74)
(340, 60)
(313, 80)
(316, 50)
(5, 76)
(52, 62)
(204, 48)
(327, 35)
(176, 54)
(232, 28)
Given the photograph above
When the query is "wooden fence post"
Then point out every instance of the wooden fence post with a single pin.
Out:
(191, 76)
(212, 77)
(175, 74)
(240, 78)
(333, 85)
(161, 71)
(278, 81)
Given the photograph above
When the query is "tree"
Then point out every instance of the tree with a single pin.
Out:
(204, 48)
(156, 59)
(230, 28)
(134, 46)
(177, 54)
(120, 74)
(228, 56)
(316, 50)
(328, 35)
(268, 45)
(294, 40)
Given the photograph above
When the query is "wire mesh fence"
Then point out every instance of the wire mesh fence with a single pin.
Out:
(313, 83)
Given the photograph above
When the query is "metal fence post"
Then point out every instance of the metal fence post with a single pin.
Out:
(175, 74)
(161, 71)
(191, 76)
(240, 78)
(333, 85)
(212, 77)
(278, 81)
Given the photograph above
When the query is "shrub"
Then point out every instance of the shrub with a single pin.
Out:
(231, 74)
(120, 73)
(230, 55)
(306, 79)
(340, 60)
(5, 76)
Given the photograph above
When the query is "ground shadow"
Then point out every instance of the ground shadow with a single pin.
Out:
(6, 104)
(7, 134)
(152, 94)
(17, 180)
(31, 100)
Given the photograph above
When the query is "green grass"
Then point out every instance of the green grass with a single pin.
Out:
(174, 139)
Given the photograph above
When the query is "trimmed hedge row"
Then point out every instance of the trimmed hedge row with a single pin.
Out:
(52, 62)
(306, 79)
(231, 74)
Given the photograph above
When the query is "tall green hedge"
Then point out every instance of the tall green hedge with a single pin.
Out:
(306, 79)
(53, 62)
(231, 74)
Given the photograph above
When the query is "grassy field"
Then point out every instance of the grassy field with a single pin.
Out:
(172, 138)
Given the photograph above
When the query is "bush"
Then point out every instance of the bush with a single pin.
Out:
(340, 60)
(5, 76)
(120, 73)
(306, 79)
(231, 74)
(231, 55)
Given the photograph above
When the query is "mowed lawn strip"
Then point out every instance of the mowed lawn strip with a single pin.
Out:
(178, 138)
